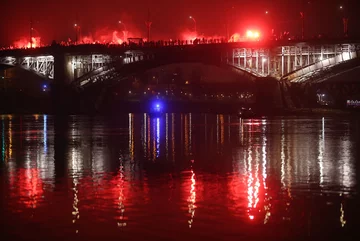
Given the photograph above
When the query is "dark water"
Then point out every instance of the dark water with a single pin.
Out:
(178, 177)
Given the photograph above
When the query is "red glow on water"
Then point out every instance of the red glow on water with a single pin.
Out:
(30, 187)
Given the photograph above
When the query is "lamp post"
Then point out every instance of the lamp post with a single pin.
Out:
(302, 24)
(191, 17)
(31, 33)
(121, 22)
(76, 27)
(345, 21)
(125, 30)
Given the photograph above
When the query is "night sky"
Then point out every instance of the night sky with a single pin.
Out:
(55, 19)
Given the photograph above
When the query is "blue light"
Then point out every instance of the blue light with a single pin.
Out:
(157, 107)
(44, 86)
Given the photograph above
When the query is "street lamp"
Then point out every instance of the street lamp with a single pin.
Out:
(77, 27)
(121, 22)
(194, 22)
(345, 21)
(125, 29)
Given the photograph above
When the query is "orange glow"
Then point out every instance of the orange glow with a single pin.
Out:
(254, 35)
(25, 43)
(249, 34)
(192, 199)
(109, 37)
(235, 38)
(189, 36)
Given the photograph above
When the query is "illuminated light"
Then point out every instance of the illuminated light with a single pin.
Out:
(251, 217)
(342, 216)
(252, 34)
(45, 133)
(130, 92)
(24, 42)
(157, 137)
(321, 58)
(235, 38)
(264, 60)
(192, 199)
(131, 136)
(249, 34)
(341, 7)
(157, 107)
(266, 12)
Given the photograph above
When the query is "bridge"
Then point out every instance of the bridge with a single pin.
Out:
(82, 65)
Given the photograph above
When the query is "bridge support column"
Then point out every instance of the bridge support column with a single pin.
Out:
(61, 94)
(322, 53)
(282, 61)
(268, 62)
(251, 57)
(244, 58)
(335, 54)
(257, 60)
(233, 57)
(289, 60)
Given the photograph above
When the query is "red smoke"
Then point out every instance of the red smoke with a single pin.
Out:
(107, 36)
(25, 43)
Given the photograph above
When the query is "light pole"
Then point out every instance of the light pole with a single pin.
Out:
(31, 32)
(345, 21)
(194, 22)
(77, 28)
(125, 30)
(121, 22)
(302, 24)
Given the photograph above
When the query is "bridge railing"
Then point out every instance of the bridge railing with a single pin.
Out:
(321, 64)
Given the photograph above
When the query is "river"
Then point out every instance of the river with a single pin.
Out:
(178, 177)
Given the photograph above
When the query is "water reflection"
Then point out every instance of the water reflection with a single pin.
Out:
(192, 198)
(259, 172)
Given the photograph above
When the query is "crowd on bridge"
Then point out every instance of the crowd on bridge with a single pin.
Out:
(137, 43)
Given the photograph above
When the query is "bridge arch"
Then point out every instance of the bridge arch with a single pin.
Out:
(122, 68)
(43, 66)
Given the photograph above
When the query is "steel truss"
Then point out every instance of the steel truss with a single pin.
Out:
(291, 62)
(41, 65)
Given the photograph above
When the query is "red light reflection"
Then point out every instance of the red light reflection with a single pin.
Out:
(30, 187)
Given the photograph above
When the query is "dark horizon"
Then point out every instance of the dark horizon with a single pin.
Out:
(55, 20)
